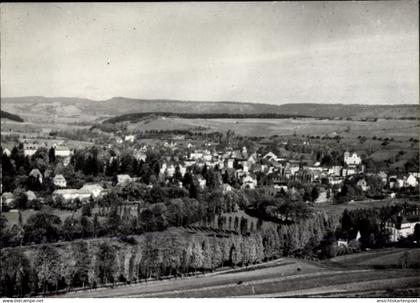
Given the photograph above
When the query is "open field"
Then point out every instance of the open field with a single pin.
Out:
(285, 277)
(286, 127)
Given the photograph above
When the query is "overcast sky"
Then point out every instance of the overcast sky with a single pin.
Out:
(284, 52)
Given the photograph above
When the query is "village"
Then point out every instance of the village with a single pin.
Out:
(208, 167)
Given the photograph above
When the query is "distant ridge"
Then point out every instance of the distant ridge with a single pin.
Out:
(65, 107)
(6, 115)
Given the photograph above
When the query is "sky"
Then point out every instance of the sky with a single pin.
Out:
(270, 52)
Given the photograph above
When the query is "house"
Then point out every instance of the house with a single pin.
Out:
(7, 198)
(249, 181)
(70, 194)
(129, 138)
(60, 181)
(94, 190)
(201, 181)
(349, 171)
(170, 171)
(182, 170)
(411, 181)
(270, 157)
(140, 156)
(352, 159)
(395, 182)
(230, 162)
(335, 170)
(66, 161)
(62, 151)
(30, 195)
(35, 173)
(124, 178)
(323, 196)
(362, 184)
(7, 152)
(30, 149)
(401, 227)
(342, 243)
(196, 155)
(226, 188)
(119, 140)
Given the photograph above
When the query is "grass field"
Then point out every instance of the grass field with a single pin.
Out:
(281, 278)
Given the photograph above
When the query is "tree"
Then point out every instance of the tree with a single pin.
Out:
(51, 155)
(86, 210)
(106, 263)
(42, 227)
(14, 273)
(48, 264)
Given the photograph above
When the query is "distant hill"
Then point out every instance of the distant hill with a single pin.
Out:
(86, 109)
(6, 115)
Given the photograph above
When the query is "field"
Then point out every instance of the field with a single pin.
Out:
(285, 277)
(403, 129)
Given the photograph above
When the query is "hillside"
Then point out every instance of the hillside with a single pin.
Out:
(89, 109)
(6, 115)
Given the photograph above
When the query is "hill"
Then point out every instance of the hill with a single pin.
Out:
(87, 109)
(6, 115)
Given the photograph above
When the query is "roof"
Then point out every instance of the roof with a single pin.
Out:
(91, 187)
(35, 172)
(59, 177)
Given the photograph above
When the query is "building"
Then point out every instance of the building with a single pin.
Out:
(35, 173)
(62, 151)
(411, 181)
(201, 181)
(60, 181)
(352, 159)
(124, 178)
(7, 198)
(30, 149)
(249, 181)
(7, 152)
(70, 194)
(226, 188)
(129, 138)
(95, 190)
(401, 227)
(362, 184)
(30, 195)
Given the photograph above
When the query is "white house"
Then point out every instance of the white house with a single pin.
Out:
(62, 151)
(35, 173)
(170, 171)
(196, 155)
(70, 194)
(124, 178)
(7, 152)
(129, 138)
(201, 181)
(7, 198)
(93, 189)
(226, 188)
(411, 181)
(60, 181)
(362, 184)
(352, 159)
(401, 229)
(249, 181)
